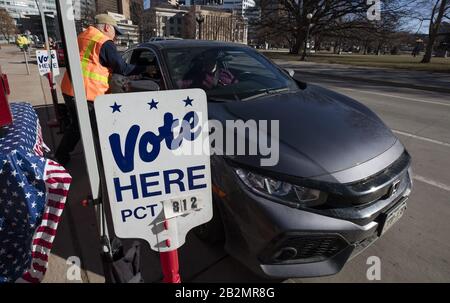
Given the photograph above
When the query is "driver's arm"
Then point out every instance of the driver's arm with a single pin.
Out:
(226, 77)
(110, 57)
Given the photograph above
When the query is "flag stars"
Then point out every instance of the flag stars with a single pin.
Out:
(116, 107)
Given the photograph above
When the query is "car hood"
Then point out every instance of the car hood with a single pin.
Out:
(320, 132)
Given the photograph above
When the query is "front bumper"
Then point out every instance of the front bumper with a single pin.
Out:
(259, 231)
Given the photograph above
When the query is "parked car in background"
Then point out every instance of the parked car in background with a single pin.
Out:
(342, 179)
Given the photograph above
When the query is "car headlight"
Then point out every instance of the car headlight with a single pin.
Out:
(293, 194)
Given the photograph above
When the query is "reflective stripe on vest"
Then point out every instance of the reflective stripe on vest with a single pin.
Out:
(85, 61)
(95, 75)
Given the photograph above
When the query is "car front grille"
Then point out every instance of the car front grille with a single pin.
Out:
(377, 187)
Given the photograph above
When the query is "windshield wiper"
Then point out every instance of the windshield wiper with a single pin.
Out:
(214, 99)
(267, 91)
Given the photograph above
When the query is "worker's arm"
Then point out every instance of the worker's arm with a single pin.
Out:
(110, 57)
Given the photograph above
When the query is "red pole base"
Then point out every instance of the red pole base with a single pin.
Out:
(170, 266)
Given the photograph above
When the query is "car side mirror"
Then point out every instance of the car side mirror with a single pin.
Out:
(290, 72)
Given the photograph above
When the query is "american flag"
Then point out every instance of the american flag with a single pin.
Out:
(33, 191)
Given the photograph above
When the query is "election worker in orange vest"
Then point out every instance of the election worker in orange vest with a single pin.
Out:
(99, 60)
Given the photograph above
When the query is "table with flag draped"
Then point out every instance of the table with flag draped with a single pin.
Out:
(33, 191)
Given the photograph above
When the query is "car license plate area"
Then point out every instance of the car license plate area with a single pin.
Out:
(392, 216)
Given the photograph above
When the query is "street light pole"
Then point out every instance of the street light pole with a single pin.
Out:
(308, 18)
(200, 19)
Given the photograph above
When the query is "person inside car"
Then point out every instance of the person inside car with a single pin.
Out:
(207, 72)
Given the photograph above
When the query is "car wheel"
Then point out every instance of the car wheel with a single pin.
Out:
(211, 232)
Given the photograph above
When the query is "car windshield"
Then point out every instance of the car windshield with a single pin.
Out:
(226, 73)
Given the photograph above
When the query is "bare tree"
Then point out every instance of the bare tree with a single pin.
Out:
(289, 17)
(341, 19)
(8, 27)
(439, 11)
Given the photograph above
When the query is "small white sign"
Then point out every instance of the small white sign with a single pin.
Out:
(155, 151)
(43, 62)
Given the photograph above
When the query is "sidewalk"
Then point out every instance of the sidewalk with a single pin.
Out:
(438, 82)
(33, 88)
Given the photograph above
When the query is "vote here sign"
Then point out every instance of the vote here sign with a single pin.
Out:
(155, 152)
(43, 62)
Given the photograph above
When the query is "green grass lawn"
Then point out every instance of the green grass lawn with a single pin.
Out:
(385, 61)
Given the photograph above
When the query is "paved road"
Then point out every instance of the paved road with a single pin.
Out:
(433, 81)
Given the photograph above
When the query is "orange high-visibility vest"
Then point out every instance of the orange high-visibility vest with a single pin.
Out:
(95, 75)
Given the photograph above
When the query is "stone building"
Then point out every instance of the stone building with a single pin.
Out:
(130, 31)
(194, 22)
(115, 6)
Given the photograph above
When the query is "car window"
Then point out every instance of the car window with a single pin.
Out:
(241, 62)
(229, 73)
(142, 57)
(146, 57)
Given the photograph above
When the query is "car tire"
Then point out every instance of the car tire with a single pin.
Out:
(211, 232)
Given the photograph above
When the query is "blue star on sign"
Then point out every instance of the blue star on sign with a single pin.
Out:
(188, 101)
(153, 104)
(116, 107)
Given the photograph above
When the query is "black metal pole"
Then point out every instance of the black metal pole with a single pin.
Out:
(306, 41)
(200, 19)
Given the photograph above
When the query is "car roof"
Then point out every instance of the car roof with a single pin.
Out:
(169, 44)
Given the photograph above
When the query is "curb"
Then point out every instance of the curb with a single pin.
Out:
(382, 82)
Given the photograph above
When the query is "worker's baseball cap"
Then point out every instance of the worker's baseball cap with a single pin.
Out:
(107, 19)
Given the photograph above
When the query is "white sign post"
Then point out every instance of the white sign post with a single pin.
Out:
(155, 152)
(43, 62)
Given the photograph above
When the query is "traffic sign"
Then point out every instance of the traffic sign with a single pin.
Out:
(155, 152)
(43, 62)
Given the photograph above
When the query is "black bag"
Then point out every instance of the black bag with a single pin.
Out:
(123, 267)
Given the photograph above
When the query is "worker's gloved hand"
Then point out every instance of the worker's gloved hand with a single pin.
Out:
(134, 77)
